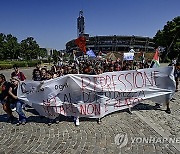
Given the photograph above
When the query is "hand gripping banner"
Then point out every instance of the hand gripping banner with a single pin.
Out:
(95, 96)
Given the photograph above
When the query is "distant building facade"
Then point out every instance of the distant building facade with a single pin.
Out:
(115, 43)
(49, 51)
(110, 43)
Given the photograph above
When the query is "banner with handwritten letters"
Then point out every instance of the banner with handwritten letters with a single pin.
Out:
(95, 96)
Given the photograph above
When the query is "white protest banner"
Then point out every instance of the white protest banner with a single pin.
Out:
(95, 96)
(129, 56)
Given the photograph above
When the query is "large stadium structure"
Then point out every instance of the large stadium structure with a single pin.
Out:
(105, 44)
(115, 43)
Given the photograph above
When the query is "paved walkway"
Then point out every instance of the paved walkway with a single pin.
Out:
(37, 137)
(119, 132)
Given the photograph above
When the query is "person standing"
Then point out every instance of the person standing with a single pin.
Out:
(37, 75)
(17, 73)
(177, 75)
(20, 75)
(15, 101)
(38, 68)
(4, 87)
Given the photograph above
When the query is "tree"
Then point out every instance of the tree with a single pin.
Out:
(2, 41)
(29, 48)
(42, 52)
(55, 55)
(169, 38)
(11, 47)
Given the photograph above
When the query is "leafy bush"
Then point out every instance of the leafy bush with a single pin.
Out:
(167, 60)
(5, 66)
(20, 63)
(9, 64)
(32, 63)
(5, 62)
(46, 61)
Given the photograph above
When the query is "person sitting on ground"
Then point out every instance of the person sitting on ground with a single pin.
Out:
(4, 88)
(15, 101)
(17, 73)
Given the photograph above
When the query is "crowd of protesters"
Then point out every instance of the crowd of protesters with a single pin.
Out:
(94, 67)
(8, 95)
(91, 67)
(8, 90)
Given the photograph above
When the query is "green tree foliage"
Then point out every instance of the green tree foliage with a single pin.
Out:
(27, 49)
(2, 42)
(9, 47)
(169, 38)
(55, 55)
(42, 53)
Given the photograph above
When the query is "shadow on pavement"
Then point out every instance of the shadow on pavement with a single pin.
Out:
(36, 118)
(3, 118)
(142, 106)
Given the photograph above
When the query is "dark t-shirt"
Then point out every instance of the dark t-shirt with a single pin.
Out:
(176, 73)
(4, 90)
(11, 100)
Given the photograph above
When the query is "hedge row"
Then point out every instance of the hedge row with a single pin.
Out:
(9, 64)
(5, 66)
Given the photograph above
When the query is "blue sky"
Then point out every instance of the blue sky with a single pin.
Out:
(52, 23)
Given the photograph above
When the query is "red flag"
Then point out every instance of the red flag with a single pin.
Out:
(81, 43)
(156, 55)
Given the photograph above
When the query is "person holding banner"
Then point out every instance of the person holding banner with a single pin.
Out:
(168, 108)
(76, 121)
(15, 102)
(43, 74)
(20, 75)
(4, 87)
(177, 74)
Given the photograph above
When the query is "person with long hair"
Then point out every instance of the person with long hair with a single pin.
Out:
(15, 101)
(4, 88)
